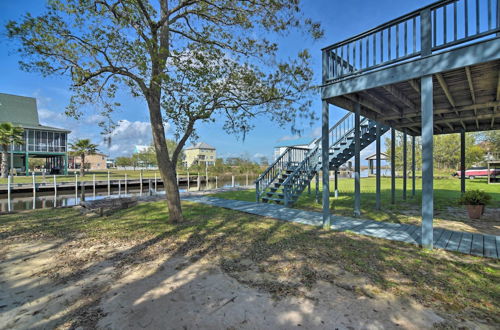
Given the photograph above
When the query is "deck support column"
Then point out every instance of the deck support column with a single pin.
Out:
(413, 174)
(336, 182)
(405, 138)
(427, 162)
(357, 161)
(377, 168)
(325, 165)
(317, 187)
(462, 161)
(393, 166)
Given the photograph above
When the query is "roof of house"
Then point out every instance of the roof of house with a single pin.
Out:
(297, 142)
(201, 145)
(22, 111)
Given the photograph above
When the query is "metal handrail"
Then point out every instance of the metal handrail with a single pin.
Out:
(385, 25)
(400, 39)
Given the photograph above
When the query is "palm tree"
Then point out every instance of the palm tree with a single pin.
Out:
(81, 148)
(9, 134)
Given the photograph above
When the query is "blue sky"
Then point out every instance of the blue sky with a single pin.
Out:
(340, 20)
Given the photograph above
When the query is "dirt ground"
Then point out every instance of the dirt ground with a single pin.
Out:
(87, 284)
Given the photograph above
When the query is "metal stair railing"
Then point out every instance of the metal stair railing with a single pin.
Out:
(291, 156)
(298, 179)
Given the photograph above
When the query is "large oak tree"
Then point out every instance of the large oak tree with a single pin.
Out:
(190, 60)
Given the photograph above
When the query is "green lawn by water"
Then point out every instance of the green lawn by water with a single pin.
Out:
(446, 194)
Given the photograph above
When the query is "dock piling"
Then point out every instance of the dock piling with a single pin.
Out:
(8, 193)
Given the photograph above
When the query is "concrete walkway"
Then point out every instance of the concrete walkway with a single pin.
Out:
(469, 243)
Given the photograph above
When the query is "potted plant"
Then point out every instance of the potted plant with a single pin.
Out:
(475, 201)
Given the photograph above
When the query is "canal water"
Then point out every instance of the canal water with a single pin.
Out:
(26, 201)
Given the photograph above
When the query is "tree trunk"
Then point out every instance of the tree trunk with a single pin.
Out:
(82, 165)
(165, 165)
(4, 161)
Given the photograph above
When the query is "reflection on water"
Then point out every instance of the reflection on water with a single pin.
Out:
(25, 201)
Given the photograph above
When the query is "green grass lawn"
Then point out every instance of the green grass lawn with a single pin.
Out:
(293, 255)
(446, 194)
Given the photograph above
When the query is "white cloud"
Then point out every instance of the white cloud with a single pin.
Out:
(128, 134)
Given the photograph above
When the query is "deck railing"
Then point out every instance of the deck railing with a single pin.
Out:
(434, 28)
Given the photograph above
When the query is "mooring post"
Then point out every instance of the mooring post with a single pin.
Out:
(119, 187)
(247, 179)
(126, 184)
(82, 190)
(55, 191)
(76, 189)
(109, 185)
(93, 185)
(34, 189)
(140, 183)
(149, 187)
(206, 175)
(216, 187)
(188, 180)
(8, 193)
(198, 182)
(232, 181)
(156, 184)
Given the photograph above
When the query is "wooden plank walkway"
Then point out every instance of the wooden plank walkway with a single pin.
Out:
(468, 243)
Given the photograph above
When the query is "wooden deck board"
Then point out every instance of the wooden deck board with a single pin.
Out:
(477, 245)
(443, 240)
(490, 249)
(465, 243)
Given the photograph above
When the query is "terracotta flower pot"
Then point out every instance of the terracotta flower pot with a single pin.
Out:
(475, 211)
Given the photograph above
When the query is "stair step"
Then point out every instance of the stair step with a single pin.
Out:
(276, 200)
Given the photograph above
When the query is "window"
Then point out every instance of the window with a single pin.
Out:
(38, 139)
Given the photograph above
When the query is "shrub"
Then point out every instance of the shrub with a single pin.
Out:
(474, 197)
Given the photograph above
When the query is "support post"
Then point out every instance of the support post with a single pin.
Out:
(93, 185)
(427, 162)
(55, 191)
(247, 179)
(82, 190)
(26, 162)
(8, 193)
(34, 189)
(156, 183)
(336, 183)
(66, 164)
(462, 161)
(357, 161)
(126, 183)
(76, 189)
(325, 164)
(413, 169)
(140, 183)
(232, 181)
(119, 187)
(109, 185)
(188, 179)
(377, 166)
(198, 182)
(405, 138)
(317, 187)
(393, 166)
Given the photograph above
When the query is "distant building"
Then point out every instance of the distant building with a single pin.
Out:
(280, 148)
(372, 159)
(41, 141)
(200, 153)
(97, 161)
